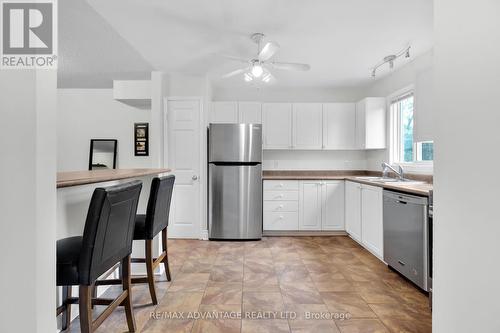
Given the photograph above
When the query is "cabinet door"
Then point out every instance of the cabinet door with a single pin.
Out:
(250, 112)
(307, 126)
(310, 205)
(353, 210)
(375, 123)
(372, 233)
(277, 125)
(360, 124)
(224, 112)
(339, 126)
(333, 205)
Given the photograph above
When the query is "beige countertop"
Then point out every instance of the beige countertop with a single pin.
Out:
(75, 178)
(419, 189)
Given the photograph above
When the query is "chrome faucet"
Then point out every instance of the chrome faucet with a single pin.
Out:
(386, 167)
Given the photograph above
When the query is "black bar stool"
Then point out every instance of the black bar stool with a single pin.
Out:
(106, 241)
(147, 227)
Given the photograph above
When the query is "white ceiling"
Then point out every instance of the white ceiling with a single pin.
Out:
(340, 39)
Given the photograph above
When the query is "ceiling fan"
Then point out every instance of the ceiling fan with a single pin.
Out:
(257, 69)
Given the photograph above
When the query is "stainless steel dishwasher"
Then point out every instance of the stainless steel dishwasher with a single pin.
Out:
(405, 235)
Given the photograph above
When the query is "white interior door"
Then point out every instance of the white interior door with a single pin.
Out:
(183, 139)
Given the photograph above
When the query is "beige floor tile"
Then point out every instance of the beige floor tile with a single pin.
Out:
(347, 302)
(262, 301)
(361, 326)
(265, 326)
(223, 293)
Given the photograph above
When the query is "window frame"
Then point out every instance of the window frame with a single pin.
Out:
(395, 134)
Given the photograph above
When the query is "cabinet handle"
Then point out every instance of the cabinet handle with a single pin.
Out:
(280, 185)
(279, 196)
(401, 263)
(281, 217)
(280, 206)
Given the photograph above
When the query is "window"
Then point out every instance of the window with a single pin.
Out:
(404, 149)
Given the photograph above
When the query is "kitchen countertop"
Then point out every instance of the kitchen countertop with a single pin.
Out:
(75, 178)
(419, 189)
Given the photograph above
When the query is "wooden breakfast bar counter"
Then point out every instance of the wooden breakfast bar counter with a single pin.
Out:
(75, 188)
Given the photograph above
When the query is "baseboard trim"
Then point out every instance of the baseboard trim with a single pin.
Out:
(302, 233)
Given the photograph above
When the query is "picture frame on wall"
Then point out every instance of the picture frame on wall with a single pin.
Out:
(141, 139)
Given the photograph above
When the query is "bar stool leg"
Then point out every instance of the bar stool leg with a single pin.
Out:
(66, 315)
(164, 248)
(129, 311)
(149, 269)
(85, 305)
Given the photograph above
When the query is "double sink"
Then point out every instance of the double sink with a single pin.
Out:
(387, 180)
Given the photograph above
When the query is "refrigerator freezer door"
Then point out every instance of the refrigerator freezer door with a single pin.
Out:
(235, 143)
(235, 202)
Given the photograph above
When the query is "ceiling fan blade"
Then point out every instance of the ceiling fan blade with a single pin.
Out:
(268, 51)
(230, 57)
(233, 73)
(289, 66)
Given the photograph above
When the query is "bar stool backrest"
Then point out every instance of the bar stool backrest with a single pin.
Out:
(159, 205)
(109, 229)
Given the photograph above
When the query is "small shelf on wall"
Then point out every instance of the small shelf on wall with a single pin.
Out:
(136, 93)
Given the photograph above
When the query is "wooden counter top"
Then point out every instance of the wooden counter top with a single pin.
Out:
(419, 189)
(75, 178)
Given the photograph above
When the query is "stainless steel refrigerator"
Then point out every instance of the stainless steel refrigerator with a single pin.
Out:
(235, 181)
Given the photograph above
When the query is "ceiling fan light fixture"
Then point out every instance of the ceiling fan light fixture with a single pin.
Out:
(257, 70)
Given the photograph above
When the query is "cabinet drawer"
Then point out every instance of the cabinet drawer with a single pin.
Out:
(281, 221)
(281, 206)
(281, 195)
(281, 184)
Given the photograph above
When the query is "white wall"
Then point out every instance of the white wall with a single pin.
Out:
(27, 201)
(467, 227)
(405, 76)
(84, 114)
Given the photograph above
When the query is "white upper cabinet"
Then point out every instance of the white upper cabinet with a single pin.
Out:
(333, 195)
(224, 112)
(277, 125)
(371, 123)
(250, 112)
(339, 126)
(353, 210)
(372, 232)
(307, 126)
(310, 205)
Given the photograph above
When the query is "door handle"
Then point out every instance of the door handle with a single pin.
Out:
(195, 177)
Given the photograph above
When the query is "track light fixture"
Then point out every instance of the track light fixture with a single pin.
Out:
(390, 60)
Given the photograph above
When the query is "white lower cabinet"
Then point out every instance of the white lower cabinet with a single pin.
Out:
(314, 205)
(353, 210)
(364, 216)
(310, 205)
(281, 205)
(321, 205)
(372, 232)
(333, 217)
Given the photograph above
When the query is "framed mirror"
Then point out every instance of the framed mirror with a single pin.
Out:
(102, 154)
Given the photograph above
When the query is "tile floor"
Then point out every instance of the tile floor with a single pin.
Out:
(284, 280)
